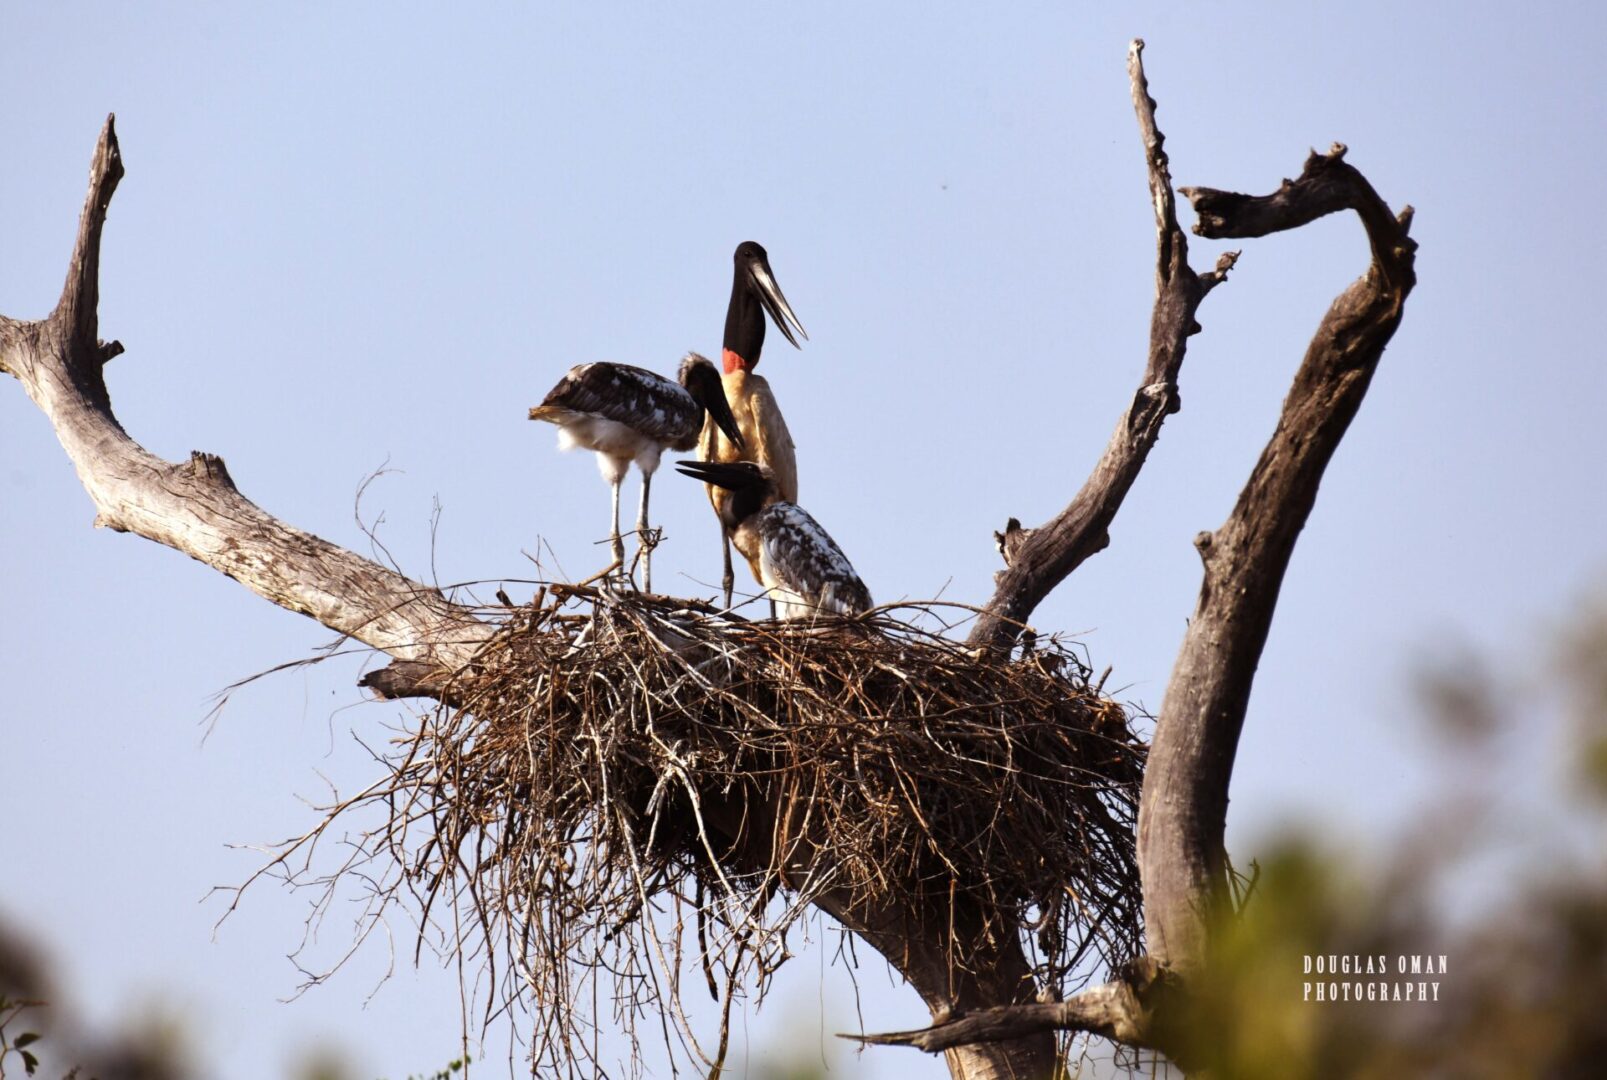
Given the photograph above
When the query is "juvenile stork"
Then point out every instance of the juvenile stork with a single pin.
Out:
(765, 439)
(630, 414)
(795, 559)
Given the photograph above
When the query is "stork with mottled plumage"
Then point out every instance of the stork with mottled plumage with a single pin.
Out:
(629, 414)
(796, 560)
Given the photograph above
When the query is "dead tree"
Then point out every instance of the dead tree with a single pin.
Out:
(1183, 811)
(986, 1020)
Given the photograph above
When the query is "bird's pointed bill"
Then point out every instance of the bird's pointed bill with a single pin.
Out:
(729, 475)
(704, 384)
(720, 410)
(775, 303)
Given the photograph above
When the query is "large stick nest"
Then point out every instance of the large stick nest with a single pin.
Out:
(619, 772)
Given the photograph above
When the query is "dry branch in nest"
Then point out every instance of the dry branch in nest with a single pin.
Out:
(639, 786)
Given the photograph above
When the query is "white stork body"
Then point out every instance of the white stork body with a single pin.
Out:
(629, 414)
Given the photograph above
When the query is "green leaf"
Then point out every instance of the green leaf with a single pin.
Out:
(25, 1038)
(29, 1062)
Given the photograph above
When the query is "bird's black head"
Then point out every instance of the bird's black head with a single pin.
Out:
(752, 486)
(749, 250)
(753, 293)
(703, 383)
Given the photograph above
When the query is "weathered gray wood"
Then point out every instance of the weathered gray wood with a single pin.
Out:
(1183, 811)
(1040, 559)
(995, 978)
(193, 506)
(1114, 1010)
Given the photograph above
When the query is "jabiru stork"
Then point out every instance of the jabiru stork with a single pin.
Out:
(765, 439)
(629, 414)
(798, 562)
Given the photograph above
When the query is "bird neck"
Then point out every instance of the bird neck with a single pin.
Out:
(744, 327)
(744, 503)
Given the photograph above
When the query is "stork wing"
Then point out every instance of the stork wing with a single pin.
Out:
(800, 555)
(633, 396)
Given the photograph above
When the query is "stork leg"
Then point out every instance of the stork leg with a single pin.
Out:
(645, 540)
(727, 580)
(617, 543)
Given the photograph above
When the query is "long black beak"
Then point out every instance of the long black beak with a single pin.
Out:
(708, 391)
(733, 476)
(774, 302)
(720, 409)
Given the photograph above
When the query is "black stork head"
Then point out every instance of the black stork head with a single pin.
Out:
(753, 292)
(752, 486)
(702, 381)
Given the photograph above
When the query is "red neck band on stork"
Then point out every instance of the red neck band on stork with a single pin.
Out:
(731, 362)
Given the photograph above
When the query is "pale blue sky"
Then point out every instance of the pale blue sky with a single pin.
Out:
(361, 235)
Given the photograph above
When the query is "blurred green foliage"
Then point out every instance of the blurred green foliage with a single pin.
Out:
(1525, 991)
(13, 1041)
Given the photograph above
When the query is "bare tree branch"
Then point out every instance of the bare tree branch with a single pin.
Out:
(1326, 185)
(1103, 1010)
(78, 310)
(1119, 1011)
(193, 506)
(1184, 805)
(1183, 812)
(1040, 559)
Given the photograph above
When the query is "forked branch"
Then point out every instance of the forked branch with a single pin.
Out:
(1040, 559)
(1183, 809)
(193, 506)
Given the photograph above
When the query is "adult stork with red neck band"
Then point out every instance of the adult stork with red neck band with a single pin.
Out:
(765, 439)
